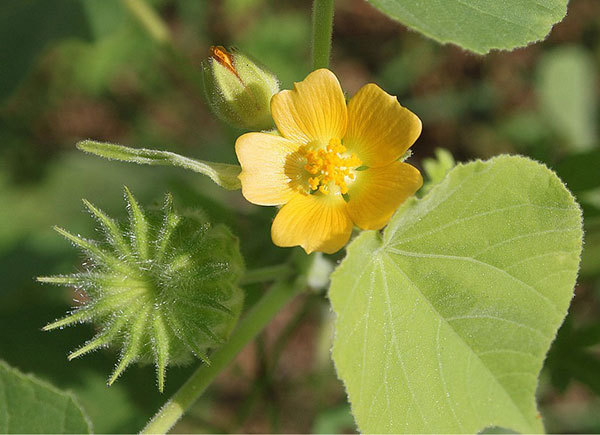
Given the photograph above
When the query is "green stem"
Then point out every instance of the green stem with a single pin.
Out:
(269, 273)
(259, 316)
(150, 20)
(158, 30)
(322, 30)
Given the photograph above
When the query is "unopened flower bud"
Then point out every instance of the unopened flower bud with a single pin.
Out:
(238, 90)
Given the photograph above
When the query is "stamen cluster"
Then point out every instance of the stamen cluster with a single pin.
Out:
(331, 165)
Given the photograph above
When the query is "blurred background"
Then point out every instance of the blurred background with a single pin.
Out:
(76, 69)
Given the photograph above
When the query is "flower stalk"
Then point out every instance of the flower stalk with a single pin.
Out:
(282, 292)
(322, 31)
(150, 20)
(268, 273)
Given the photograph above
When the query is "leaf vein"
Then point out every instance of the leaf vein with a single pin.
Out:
(502, 319)
(556, 272)
(523, 236)
(469, 218)
(535, 257)
(499, 17)
(366, 334)
(436, 312)
(442, 378)
(517, 373)
(482, 263)
(428, 199)
(395, 341)
(518, 352)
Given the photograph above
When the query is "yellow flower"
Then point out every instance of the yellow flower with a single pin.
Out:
(331, 166)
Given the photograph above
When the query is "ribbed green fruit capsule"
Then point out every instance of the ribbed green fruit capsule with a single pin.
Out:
(162, 289)
(238, 90)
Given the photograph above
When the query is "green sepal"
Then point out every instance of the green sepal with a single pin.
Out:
(223, 174)
(164, 290)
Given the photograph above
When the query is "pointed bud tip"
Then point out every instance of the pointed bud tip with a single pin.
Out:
(238, 89)
(115, 375)
(221, 55)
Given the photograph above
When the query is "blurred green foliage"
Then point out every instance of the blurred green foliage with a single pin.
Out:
(21, 45)
(566, 83)
(80, 69)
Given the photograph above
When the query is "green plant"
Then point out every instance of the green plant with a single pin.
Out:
(446, 303)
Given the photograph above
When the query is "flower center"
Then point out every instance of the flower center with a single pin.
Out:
(330, 167)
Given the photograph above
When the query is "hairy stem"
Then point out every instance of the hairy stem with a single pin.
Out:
(269, 273)
(257, 318)
(322, 30)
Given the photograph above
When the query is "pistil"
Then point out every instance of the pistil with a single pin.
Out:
(332, 165)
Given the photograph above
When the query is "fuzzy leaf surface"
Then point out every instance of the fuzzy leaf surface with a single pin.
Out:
(443, 322)
(478, 25)
(28, 405)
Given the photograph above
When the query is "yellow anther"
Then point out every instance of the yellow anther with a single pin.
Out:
(335, 145)
(314, 182)
(330, 165)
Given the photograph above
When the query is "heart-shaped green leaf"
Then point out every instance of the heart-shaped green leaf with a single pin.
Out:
(478, 25)
(443, 322)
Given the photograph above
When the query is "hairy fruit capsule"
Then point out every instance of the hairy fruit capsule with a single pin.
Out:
(238, 90)
(163, 290)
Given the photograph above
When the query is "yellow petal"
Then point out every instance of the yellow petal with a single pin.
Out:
(314, 110)
(380, 130)
(377, 193)
(315, 222)
(267, 165)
